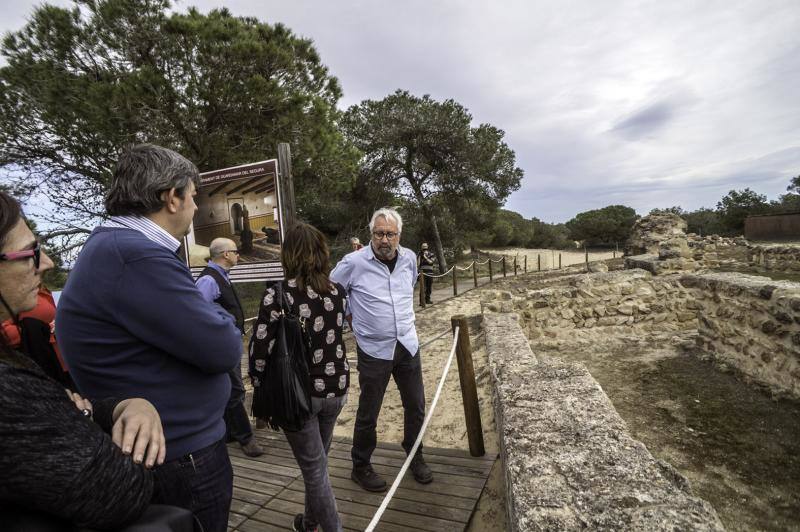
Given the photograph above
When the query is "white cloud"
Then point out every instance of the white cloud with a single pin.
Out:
(645, 103)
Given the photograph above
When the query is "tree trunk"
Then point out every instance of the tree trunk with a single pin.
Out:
(437, 242)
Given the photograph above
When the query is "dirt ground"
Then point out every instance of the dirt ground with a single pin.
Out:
(739, 448)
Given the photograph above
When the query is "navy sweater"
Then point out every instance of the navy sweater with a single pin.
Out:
(131, 323)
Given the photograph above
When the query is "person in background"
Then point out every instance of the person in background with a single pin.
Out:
(425, 261)
(216, 287)
(131, 323)
(355, 244)
(322, 305)
(379, 281)
(55, 457)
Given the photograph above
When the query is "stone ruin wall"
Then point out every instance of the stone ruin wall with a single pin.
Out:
(747, 323)
(751, 324)
(569, 460)
(661, 237)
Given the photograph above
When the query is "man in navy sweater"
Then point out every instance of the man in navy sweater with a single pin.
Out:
(131, 323)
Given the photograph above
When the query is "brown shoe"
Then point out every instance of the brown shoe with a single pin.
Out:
(252, 448)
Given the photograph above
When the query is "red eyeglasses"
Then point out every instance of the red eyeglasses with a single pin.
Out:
(36, 253)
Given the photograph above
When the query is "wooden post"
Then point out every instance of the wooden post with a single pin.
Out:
(538, 262)
(526, 265)
(469, 390)
(559, 261)
(475, 272)
(490, 270)
(455, 280)
(586, 251)
(614, 254)
(504, 265)
(515, 265)
(421, 290)
(286, 186)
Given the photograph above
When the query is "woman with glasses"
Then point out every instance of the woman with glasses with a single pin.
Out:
(322, 306)
(55, 457)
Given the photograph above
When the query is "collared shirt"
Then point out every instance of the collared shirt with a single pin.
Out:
(147, 227)
(208, 286)
(381, 303)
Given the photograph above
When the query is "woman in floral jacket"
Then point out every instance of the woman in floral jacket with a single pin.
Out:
(322, 305)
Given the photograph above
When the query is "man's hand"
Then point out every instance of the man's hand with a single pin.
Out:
(137, 428)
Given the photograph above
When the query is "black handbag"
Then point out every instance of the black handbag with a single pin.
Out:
(287, 385)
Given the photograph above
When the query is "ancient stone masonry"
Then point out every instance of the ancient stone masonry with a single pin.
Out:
(570, 462)
(775, 257)
(751, 324)
(596, 300)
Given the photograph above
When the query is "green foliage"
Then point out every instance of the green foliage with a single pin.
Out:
(428, 153)
(82, 82)
(737, 205)
(605, 226)
(704, 222)
(549, 236)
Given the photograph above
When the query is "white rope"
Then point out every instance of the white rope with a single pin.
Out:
(482, 263)
(440, 275)
(465, 268)
(433, 339)
(377, 517)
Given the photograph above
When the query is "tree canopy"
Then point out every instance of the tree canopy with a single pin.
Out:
(427, 152)
(605, 226)
(80, 83)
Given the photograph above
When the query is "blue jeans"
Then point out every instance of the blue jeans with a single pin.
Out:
(202, 482)
(310, 446)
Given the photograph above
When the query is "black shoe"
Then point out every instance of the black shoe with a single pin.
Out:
(420, 470)
(252, 448)
(428, 302)
(367, 478)
(298, 526)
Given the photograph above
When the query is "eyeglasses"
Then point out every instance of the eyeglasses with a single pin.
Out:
(36, 253)
(381, 234)
(232, 251)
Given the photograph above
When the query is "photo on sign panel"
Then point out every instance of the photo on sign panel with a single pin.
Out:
(239, 203)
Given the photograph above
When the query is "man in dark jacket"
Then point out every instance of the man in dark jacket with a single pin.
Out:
(425, 264)
(216, 287)
(131, 323)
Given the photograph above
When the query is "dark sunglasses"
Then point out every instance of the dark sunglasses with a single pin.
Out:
(36, 253)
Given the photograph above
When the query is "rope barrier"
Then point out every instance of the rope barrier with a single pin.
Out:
(481, 263)
(440, 275)
(429, 342)
(385, 503)
(464, 268)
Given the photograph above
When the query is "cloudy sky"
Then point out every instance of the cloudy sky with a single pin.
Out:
(642, 103)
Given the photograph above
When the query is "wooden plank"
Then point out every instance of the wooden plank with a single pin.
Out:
(253, 497)
(477, 470)
(440, 451)
(267, 467)
(295, 492)
(257, 486)
(243, 508)
(259, 526)
(254, 474)
(412, 495)
(348, 520)
(235, 520)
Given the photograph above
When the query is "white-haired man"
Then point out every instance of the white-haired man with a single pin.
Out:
(216, 287)
(379, 279)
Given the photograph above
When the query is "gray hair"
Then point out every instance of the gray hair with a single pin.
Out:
(143, 172)
(355, 240)
(390, 215)
(219, 246)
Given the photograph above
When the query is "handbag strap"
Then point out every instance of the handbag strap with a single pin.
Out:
(283, 302)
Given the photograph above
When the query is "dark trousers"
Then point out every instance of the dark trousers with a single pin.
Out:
(428, 286)
(310, 446)
(373, 377)
(236, 418)
(202, 482)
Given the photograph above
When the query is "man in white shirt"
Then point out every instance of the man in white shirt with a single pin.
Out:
(379, 279)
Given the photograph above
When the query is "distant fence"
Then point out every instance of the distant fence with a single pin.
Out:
(773, 227)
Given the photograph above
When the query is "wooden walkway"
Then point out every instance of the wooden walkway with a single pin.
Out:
(268, 490)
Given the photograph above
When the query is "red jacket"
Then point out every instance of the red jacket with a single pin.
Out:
(44, 311)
